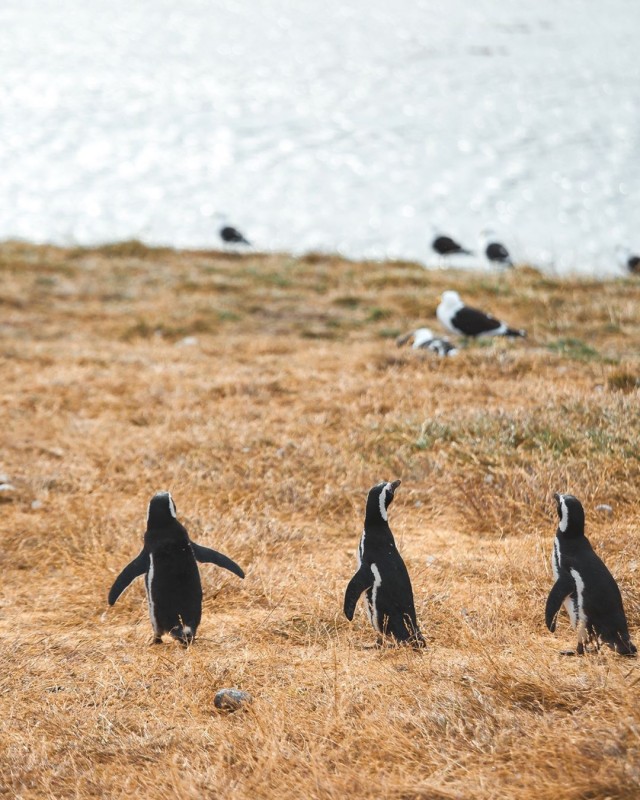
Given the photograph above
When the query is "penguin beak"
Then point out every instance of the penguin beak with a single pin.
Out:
(395, 484)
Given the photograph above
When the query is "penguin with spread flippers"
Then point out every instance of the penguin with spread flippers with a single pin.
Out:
(584, 585)
(382, 574)
(169, 563)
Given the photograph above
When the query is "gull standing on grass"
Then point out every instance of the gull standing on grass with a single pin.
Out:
(467, 321)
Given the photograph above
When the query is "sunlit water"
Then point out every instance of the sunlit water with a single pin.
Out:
(349, 125)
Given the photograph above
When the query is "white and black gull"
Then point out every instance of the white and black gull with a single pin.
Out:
(628, 259)
(426, 339)
(446, 246)
(495, 252)
(467, 321)
(228, 233)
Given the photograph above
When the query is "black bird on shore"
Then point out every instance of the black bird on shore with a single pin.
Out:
(231, 235)
(494, 250)
(446, 246)
(628, 259)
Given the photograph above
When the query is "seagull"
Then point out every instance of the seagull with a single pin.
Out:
(495, 252)
(231, 235)
(628, 259)
(227, 232)
(467, 321)
(425, 339)
(446, 246)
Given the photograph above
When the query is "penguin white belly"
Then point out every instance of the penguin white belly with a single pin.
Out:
(148, 583)
(569, 603)
(371, 605)
(555, 560)
(571, 611)
(579, 618)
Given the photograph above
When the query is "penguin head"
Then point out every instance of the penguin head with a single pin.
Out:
(570, 515)
(162, 511)
(379, 499)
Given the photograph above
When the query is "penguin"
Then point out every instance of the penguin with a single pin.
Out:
(382, 574)
(168, 561)
(585, 586)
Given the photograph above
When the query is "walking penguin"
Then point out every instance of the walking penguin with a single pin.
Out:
(585, 586)
(172, 580)
(382, 574)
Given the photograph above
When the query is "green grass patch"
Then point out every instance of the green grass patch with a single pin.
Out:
(376, 314)
(574, 349)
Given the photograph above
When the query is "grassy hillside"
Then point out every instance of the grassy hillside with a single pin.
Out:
(268, 395)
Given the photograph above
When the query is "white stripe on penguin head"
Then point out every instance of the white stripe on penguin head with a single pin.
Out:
(172, 506)
(564, 512)
(383, 496)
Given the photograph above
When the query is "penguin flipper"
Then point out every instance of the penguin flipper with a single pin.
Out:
(361, 581)
(139, 566)
(207, 556)
(561, 589)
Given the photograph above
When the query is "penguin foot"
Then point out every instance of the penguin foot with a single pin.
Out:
(623, 647)
(418, 642)
(156, 640)
(183, 634)
(629, 650)
(414, 643)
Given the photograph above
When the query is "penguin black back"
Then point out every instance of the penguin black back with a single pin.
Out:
(172, 579)
(382, 574)
(584, 585)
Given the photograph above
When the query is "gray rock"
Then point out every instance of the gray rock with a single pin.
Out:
(606, 509)
(231, 699)
(7, 491)
(188, 341)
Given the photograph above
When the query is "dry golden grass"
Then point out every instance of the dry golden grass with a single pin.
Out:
(269, 431)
